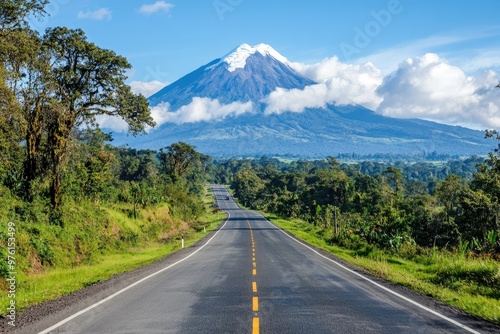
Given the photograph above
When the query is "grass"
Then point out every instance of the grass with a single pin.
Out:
(56, 281)
(471, 284)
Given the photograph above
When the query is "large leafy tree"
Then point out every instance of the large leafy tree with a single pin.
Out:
(178, 158)
(487, 181)
(85, 81)
(18, 45)
(247, 187)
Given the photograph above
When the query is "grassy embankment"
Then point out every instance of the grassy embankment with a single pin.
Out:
(99, 243)
(466, 282)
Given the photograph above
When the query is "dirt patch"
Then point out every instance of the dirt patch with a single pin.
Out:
(36, 266)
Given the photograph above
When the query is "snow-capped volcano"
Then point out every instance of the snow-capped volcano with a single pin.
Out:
(220, 108)
(246, 74)
(238, 57)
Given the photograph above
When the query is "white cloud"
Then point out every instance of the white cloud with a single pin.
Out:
(338, 83)
(200, 109)
(113, 123)
(428, 87)
(156, 7)
(147, 88)
(99, 15)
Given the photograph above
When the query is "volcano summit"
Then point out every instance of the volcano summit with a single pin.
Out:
(223, 109)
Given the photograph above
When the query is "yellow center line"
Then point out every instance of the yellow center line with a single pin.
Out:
(256, 325)
(255, 304)
(255, 300)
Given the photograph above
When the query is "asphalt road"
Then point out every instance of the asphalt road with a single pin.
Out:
(251, 277)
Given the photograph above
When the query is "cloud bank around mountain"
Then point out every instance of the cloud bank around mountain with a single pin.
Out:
(338, 83)
(199, 110)
(426, 87)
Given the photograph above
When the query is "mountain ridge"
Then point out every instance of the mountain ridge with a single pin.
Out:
(315, 132)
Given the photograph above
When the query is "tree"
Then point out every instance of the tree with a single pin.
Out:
(487, 179)
(177, 159)
(14, 13)
(85, 81)
(395, 179)
(449, 193)
(247, 186)
(18, 44)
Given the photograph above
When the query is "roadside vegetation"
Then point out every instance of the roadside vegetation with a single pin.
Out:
(74, 209)
(121, 209)
(98, 242)
(419, 225)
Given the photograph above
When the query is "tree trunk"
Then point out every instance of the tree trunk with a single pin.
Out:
(335, 219)
(59, 135)
(55, 190)
(32, 166)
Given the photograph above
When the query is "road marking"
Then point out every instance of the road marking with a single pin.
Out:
(425, 308)
(255, 304)
(255, 326)
(62, 322)
(255, 299)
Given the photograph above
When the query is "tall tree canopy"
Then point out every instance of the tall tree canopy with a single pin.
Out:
(86, 81)
(177, 158)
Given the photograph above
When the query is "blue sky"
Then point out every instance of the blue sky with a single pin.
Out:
(164, 40)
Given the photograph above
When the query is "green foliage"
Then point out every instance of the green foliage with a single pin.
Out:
(70, 193)
(393, 207)
(44, 250)
(247, 186)
(177, 159)
(14, 14)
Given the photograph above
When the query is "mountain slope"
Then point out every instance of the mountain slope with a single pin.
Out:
(318, 133)
(261, 75)
(251, 74)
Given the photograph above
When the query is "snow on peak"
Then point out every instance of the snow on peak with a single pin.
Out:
(238, 58)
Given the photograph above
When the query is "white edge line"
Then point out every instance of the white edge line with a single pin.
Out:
(375, 283)
(62, 322)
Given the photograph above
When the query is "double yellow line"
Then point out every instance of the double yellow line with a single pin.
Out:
(255, 299)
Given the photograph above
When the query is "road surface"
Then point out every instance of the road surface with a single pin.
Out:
(251, 277)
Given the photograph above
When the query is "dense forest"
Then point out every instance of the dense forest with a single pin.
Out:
(452, 205)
